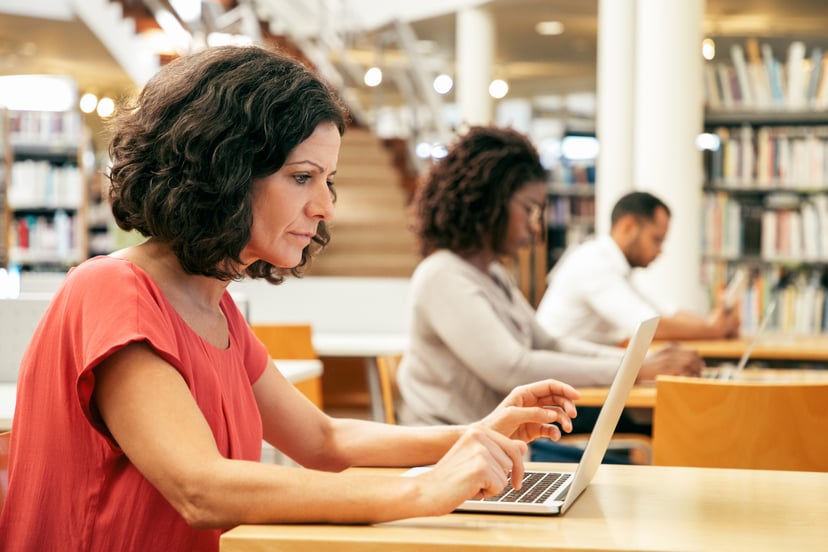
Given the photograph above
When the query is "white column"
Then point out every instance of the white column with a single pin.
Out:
(615, 102)
(668, 117)
(475, 36)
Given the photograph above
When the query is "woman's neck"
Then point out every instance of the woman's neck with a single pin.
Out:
(160, 262)
(481, 260)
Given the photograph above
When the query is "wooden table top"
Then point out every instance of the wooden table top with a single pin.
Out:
(624, 508)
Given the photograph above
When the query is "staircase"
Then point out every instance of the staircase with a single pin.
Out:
(369, 233)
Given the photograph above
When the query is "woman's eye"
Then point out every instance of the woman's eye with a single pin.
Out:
(302, 178)
(331, 183)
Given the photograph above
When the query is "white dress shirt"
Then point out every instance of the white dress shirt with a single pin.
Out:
(590, 295)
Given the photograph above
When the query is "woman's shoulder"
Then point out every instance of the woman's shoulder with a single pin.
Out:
(104, 269)
(438, 265)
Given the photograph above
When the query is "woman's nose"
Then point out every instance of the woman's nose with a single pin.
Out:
(321, 204)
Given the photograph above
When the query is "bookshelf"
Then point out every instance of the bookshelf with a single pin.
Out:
(45, 203)
(571, 196)
(766, 190)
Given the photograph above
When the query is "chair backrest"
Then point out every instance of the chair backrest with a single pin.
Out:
(287, 341)
(387, 377)
(5, 439)
(292, 342)
(739, 424)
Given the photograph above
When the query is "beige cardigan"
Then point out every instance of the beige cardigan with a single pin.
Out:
(474, 337)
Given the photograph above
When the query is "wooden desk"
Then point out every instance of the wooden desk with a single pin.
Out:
(644, 395)
(785, 347)
(366, 346)
(641, 396)
(625, 508)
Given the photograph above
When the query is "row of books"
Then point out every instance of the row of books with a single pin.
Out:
(573, 174)
(800, 297)
(797, 233)
(771, 157)
(37, 239)
(570, 211)
(45, 127)
(40, 184)
(755, 79)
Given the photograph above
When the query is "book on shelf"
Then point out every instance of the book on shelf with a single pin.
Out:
(746, 94)
(821, 98)
(796, 75)
(789, 232)
(754, 79)
(768, 157)
(800, 295)
(773, 75)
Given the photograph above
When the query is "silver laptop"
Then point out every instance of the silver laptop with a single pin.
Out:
(545, 492)
(736, 373)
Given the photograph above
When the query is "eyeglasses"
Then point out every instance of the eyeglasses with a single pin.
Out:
(535, 211)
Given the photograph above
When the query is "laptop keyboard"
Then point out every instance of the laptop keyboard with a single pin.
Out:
(536, 488)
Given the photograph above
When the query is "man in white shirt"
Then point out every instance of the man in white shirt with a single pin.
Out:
(590, 294)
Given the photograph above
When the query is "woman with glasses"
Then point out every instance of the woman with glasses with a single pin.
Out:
(473, 335)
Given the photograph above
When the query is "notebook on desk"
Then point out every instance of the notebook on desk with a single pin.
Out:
(552, 493)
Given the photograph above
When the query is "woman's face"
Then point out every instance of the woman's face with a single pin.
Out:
(526, 216)
(289, 204)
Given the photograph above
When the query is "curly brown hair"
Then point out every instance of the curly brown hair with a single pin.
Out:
(463, 204)
(186, 152)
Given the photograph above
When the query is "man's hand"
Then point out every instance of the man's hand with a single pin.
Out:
(674, 360)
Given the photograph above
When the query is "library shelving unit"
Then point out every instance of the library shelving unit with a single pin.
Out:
(766, 207)
(45, 204)
(99, 216)
(570, 217)
(766, 188)
(570, 203)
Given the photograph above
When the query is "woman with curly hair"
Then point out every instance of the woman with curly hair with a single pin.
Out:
(473, 335)
(144, 396)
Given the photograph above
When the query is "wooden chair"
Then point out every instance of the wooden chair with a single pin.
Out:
(5, 439)
(386, 366)
(740, 424)
(292, 342)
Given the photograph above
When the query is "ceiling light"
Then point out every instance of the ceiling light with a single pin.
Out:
(88, 102)
(580, 148)
(443, 84)
(439, 151)
(106, 107)
(423, 150)
(498, 88)
(373, 77)
(708, 49)
(549, 28)
(707, 141)
(37, 92)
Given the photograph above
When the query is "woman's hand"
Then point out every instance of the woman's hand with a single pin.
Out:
(477, 466)
(529, 411)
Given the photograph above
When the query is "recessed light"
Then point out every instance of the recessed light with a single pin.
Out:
(549, 28)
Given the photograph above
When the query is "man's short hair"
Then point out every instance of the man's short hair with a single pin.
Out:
(639, 204)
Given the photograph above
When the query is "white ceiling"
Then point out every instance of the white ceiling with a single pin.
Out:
(534, 64)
